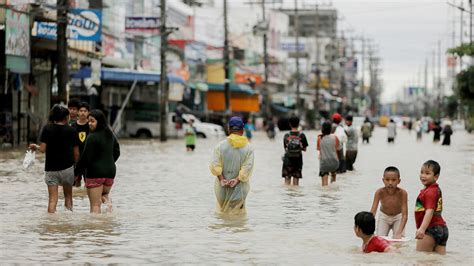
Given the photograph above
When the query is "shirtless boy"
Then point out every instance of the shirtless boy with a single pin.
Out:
(394, 206)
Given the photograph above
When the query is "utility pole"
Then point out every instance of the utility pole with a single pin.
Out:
(265, 90)
(163, 74)
(434, 79)
(61, 42)
(362, 68)
(298, 109)
(372, 79)
(226, 65)
(317, 72)
(265, 64)
(425, 81)
(461, 33)
(425, 89)
(470, 22)
(454, 27)
(440, 89)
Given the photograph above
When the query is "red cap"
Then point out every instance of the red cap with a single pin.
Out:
(336, 118)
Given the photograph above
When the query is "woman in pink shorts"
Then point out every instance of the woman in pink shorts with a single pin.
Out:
(97, 162)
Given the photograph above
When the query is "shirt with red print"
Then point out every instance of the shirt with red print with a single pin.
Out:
(377, 244)
(429, 198)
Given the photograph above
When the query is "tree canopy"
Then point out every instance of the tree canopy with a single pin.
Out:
(464, 49)
(466, 83)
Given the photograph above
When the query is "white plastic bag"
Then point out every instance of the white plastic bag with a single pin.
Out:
(29, 159)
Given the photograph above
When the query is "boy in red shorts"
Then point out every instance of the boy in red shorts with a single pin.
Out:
(432, 232)
(364, 228)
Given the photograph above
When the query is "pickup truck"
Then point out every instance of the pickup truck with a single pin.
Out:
(151, 129)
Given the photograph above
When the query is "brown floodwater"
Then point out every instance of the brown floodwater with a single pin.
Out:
(164, 208)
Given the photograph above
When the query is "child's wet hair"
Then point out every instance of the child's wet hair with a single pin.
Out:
(392, 169)
(58, 113)
(326, 128)
(84, 105)
(294, 121)
(366, 222)
(73, 103)
(433, 165)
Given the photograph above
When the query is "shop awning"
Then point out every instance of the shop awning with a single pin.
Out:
(82, 73)
(239, 88)
(120, 74)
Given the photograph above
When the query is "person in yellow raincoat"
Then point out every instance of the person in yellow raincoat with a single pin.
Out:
(232, 164)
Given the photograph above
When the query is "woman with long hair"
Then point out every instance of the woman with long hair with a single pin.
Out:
(59, 142)
(97, 162)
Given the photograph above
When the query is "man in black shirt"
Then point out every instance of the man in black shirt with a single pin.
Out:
(82, 128)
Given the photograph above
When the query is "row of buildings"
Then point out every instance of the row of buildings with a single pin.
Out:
(114, 61)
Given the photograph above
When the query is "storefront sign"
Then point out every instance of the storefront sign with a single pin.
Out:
(142, 24)
(176, 91)
(291, 47)
(83, 25)
(17, 41)
(96, 71)
(2, 14)
(17, 34)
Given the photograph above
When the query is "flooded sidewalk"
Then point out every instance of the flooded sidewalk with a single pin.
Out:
(164, 206)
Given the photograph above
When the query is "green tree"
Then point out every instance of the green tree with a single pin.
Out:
(465, 91)
(464, 49)
(465, 84)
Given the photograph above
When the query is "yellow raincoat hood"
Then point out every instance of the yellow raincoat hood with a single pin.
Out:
(237, 141)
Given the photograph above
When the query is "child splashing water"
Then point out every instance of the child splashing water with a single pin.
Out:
(364, 227)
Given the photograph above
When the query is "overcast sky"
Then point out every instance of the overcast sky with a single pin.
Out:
(405, 31)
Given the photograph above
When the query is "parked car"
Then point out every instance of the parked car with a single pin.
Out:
(150, 129)
(203, 129)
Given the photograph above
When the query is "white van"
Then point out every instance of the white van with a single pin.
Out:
(146, 129)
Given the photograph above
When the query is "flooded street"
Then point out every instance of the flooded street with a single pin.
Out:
(164, 206)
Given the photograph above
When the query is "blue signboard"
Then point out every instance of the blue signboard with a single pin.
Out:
(46, 30)
(291, 47)
(83, 25)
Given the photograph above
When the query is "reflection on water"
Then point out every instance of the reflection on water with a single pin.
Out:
(230, 223)
(69, 224)
(164, 208)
